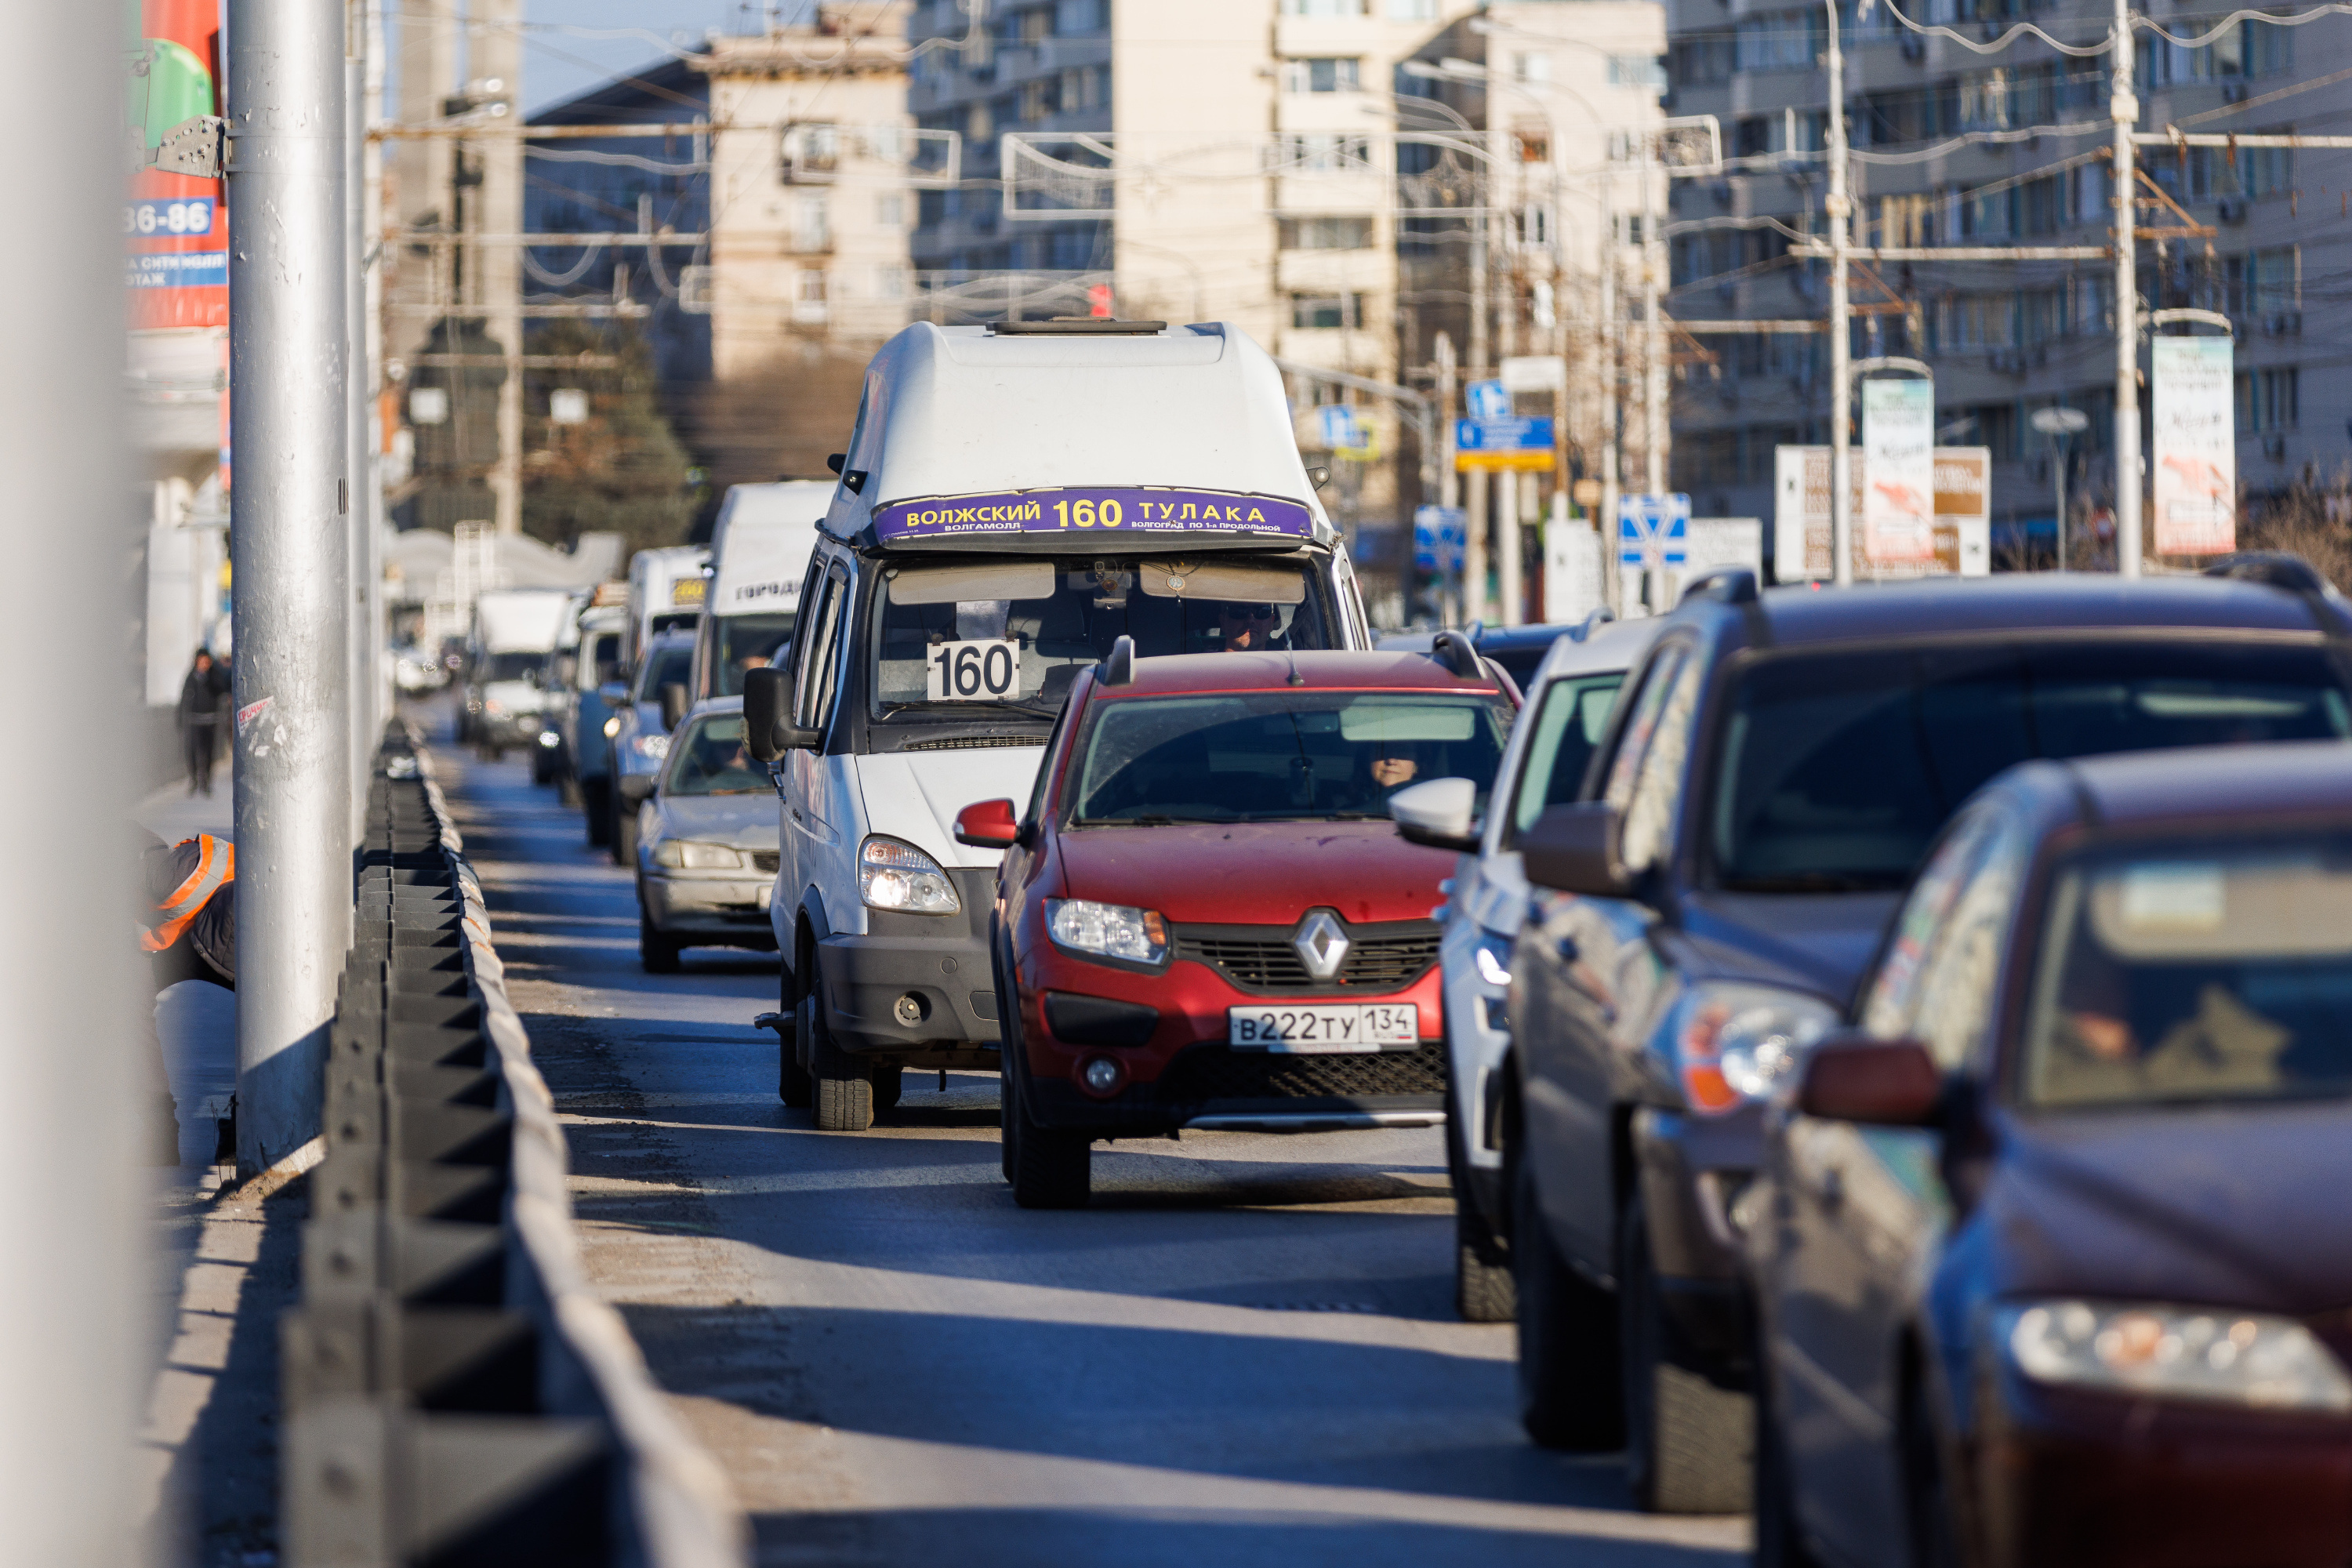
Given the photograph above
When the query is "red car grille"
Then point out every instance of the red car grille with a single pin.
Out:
(1269, 962)
(1208, 1073)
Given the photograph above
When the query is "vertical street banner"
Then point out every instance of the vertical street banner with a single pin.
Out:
(174, 227)
(2196, 464)
(1899, 452)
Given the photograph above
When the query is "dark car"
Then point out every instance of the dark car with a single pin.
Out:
(1769, 783)
(2053, 1256)
(1519, 650)
(1205, 918)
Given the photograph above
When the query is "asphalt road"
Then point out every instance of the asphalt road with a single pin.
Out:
(1242, 1353)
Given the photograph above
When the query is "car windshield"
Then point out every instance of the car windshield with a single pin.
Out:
(1277, 756)
(1573, 715)
(1836, 770)
(512, 666)
(664, 666)
(1012, 633)
(748, 642)
(604, 651)
(714, 761)
(2195, 972)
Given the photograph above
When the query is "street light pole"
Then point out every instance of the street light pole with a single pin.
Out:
(289, 354)
(2122, 108)
(1839, 208)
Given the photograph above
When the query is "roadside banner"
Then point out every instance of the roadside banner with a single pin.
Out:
(1801, 543)
(1898, 447)
(2196, 446)
(175, 226)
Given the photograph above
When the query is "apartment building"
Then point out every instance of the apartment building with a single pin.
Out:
(1956, 146)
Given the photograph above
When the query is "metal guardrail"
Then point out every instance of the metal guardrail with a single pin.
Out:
(454, 1393)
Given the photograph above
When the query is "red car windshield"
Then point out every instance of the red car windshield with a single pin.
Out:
(1278, 756)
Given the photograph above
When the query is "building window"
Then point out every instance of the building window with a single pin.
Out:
(1325, 233)
(1704, 59)
(1310, 311)
(1647, 72)
(1322, 8)
(1962, 322)
(812, 225)
(1079, 18)
(891, 282)
(1036, 101)
(1534, 68)
(809, 297)
(1411, 10)
(889, 210)
(1321, 153)
(979, 124)
(2263, 282)
(811, 151)
(1780, 40)
(2269, 400)
(1035, 26)
(1328, 74)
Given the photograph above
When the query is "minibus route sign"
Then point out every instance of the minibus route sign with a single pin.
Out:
(1089, 509)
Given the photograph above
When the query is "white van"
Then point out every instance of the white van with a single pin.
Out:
(1014, 499)
(667, 593)
(760, 549)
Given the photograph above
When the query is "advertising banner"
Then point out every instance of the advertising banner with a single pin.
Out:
(175, 226)
(1898, 450)
(1801, 544)
(2196, 462)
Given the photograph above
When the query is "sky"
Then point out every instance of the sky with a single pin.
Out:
(562, 56)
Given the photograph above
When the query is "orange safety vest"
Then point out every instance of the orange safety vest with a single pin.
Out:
(215, 864)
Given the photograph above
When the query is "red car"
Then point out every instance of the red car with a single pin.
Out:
(1205, 918)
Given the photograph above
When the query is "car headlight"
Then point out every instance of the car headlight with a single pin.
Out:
(549, 738)
(1108, 931)
(899, 877)
(611, 726)
(2175, 1353)
(649, 748)
(685, 854)
(1738, 1044)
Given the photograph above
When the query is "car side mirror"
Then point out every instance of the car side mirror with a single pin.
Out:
(1574, 850)
(634, 787)
(1880, 1083)
(674, 703)
(1438, 814)
(614, 693)
(988, 824)
(768, 730)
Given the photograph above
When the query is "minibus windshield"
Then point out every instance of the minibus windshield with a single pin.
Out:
(1009, 636)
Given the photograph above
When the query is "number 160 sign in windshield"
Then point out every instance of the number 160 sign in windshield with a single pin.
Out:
(987, 671)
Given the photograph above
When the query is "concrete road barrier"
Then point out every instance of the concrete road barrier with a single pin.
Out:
(454, 1392)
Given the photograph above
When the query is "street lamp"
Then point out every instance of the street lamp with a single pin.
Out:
(2061, 424)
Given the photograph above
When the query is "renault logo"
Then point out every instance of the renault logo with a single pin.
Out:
(1321, 945)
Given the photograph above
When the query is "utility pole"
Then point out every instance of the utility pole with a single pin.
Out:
(1654, 332)
(1449, 478)
(1474, 549)
(2122, 108)
(77, 1333)
(1612, 576)
(1839, 208)
(359, 639)
(495, 56)
(376, 709)
(1511, 568)
(288, 345)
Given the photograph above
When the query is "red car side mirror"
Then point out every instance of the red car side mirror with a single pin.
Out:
(1881, 1083)
(987, 825)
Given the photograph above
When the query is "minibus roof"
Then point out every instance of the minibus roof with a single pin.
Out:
(1043, 435)
(760, 546)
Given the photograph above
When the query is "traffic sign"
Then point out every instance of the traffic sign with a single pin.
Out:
(1487, 400)
(1653, 531)
(1497, 445)
(1440, 538)
(1340, 428)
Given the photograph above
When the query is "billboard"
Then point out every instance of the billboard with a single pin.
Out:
(1962, 499)
(1898, 444)
(175, 226)
(2196, 465)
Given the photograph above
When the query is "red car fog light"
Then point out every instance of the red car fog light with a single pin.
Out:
(1103, 1076)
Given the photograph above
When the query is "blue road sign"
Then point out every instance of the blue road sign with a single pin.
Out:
(1440, 538)
(1487, 400)
(1340, 431)
(1523, 435)
(1653, 531)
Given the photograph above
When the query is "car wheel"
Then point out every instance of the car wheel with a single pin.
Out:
(655, 950)
(624, 833)
(1008, 1052)
(1482, 1290)
(596, 806)
(1008, 1118)
(889, 1083)
(1052, 1167)
(1568, 1335)
(1926, 1495)
(844, 1087)
(567, 790)
(1688, 1441)
(1779, 1542)
(794, 1085)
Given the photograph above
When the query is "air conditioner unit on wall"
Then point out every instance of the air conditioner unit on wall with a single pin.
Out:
(2233, 92)
(2275, 447)
(2232, 210)
(2283, 323)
